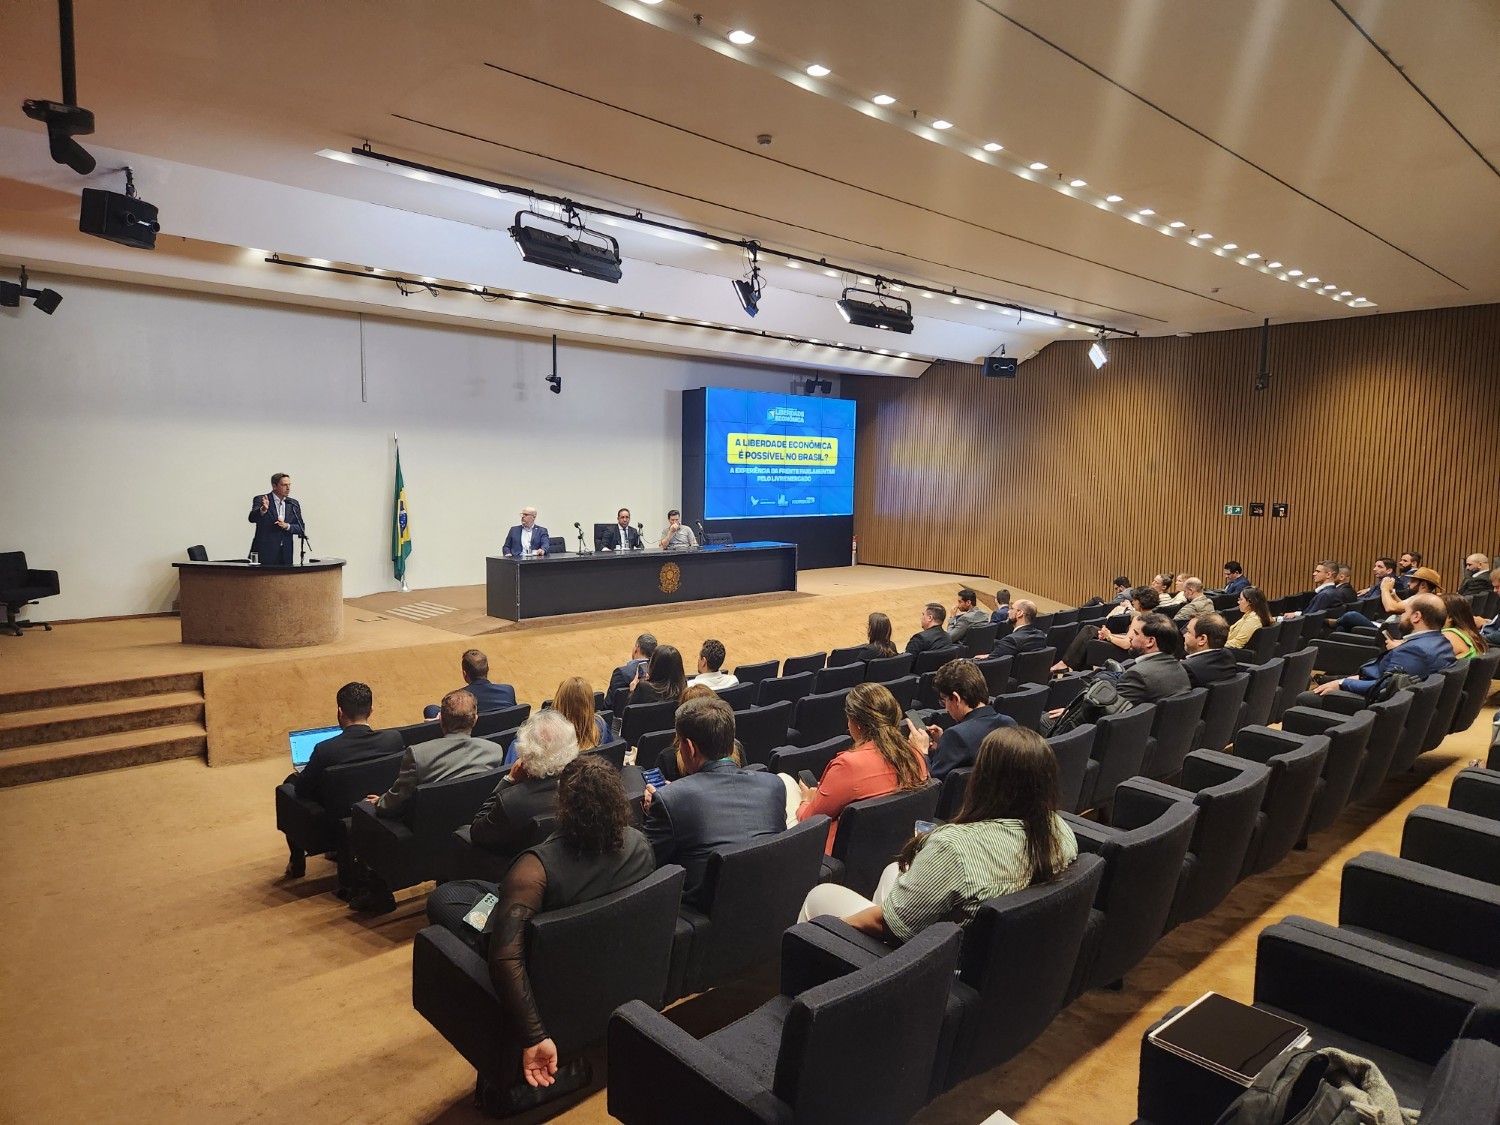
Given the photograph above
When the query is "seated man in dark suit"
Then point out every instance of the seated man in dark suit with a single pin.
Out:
(1025, 636)
(1156, 671)
(456, 754)
(356, 742)
(1476, 575)
(527, 539)
(545, 744)
(1234, 577)
(714, 803)
(1207, 660)
(932, 634)
(623, 537)
(961, 687)
(1326, 598)
(1425, 650)
(623, 677)
(475, 666)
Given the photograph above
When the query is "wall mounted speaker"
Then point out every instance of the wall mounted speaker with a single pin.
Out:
(1000, 367)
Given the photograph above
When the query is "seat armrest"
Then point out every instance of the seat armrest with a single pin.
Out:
(1343, 702)
(1139, 801)
(1090, 834)
(664, 1075)
(1433, 909)
(1261, 744)
(1203, 768)
(1476, 791)
(1309, 720)
(42, 578)
(824, 949)
(1460, 842)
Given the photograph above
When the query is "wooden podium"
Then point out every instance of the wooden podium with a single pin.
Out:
(243, 606)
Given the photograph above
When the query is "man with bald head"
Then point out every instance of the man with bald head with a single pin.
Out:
(527, 539)
(1423, 651)
(1194, 602)
(1476, 575)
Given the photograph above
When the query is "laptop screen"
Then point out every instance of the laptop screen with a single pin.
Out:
(304, 741)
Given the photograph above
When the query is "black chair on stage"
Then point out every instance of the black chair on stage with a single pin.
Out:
(197, 553)
(20, 586)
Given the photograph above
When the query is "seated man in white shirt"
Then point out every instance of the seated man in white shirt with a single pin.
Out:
(710, 661)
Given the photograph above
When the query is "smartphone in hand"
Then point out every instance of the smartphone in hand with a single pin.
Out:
(808, 778)
(654, 778)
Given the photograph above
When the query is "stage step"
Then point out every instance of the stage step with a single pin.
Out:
(85, 720)
(104, 691)
(50, 760)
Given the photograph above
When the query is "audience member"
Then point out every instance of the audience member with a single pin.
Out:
(669, 761)
(961, 687)
(932, 634)
(1007, 836)
(1194, 601)
(1025, 636)
(662, 678)
(1385, 567)
(1156, 672)
(1325, 597)
(1406, 567)
(676, 536)
(527, 539)
(877, 638)
(1255, 613)
(1206, 660)
(355, 742)
(1002, 607)
(1490, 628)
(716, 803)
(1173, 594)
(456, 754)
(882, 760)
(966, 614)
(475, 667)
(594, 851)
(623, 677)
(1234, 577)
(1462, 630)
(1425, 650)
(1143, 599)
(1343, 578)
(710, 665)
(1422, 580)
(545, 744)
(575, 702)
(1476, 575)
(1122, 590)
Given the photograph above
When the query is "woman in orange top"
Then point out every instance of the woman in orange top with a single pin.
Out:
(881, 762)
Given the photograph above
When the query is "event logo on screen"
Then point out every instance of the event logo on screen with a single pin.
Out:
(768, 455)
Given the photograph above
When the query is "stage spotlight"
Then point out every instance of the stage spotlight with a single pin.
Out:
(1097, 355)
(574, 248)
(48, 300)
(892, 314)
(750, 289)
(45, 299)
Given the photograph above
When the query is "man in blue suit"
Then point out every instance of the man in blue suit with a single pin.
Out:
(527, 539)
(1326, 598)
(1234, 577)
(715, 803)
(277, 517)
(1425, 650)
(488, 696)
(965, 696)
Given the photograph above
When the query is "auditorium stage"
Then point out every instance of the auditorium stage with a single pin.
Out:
(406, 646)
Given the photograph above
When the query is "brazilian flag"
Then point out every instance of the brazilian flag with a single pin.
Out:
(400, 525)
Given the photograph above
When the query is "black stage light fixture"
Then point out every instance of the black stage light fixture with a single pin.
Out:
(45, 299)
(127, 219)
(65, 119)
(48, 300)
(893, 314)
(574, 248)
(750, 288)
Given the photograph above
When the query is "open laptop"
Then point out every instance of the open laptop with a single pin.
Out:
(303, 742)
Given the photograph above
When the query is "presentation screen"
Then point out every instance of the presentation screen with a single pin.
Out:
(769, 455)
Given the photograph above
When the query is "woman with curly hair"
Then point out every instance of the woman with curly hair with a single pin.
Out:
(881, 762)
(1008, 836)
(594, 851)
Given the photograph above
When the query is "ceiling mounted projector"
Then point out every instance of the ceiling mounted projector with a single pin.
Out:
(574, 247)
(1097, 354)
(873, 309)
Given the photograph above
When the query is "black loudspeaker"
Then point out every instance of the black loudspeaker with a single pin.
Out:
(128, 220)
(1000, 367)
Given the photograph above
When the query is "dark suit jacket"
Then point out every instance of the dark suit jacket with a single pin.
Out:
(1325, 601)
(503, 822)
(356, 743)
(1210, 666)
(271, 544)
(1028, 638)
(618, 692)
(1475, 584)
(1152, 677)
(491, 697)
(539, 540)
(959, 744)
(1235, 585)
(928, 639)
(719, 805)
(611, 539)
(1002, 613)
(1347, 593)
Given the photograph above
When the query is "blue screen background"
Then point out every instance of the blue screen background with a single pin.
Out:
(765, 490)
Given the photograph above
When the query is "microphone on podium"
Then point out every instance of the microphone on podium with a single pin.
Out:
(581, 546)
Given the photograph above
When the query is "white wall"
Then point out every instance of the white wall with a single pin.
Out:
(137, 421)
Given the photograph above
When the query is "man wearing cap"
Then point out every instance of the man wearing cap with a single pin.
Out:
(1423, 580)
(966, 614)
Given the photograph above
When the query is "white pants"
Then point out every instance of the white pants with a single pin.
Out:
(830, 898)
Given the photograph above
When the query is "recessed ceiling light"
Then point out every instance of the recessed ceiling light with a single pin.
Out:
(905, 355)
(993, 147)
(1346, 292)
(981, 306)
(941, 124)
(523, 295)
(429, 280)
(653, 3)
(1038, 166)
(794, 265)
(954, 301)
(1314, 280)
(831, 273)
(867, 281)
(1177, 224)
(1294, 273)
(1145, 212)
(1114, 199)
(1330, 287)
(1203, 235)
(743, 38)
(1252, 255)
(1231, 245)
(1078, 183)
(818, 70)
(1269, 265)
(882, 99)
(927, 295)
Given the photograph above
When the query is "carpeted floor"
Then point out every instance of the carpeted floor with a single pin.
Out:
(154, 966)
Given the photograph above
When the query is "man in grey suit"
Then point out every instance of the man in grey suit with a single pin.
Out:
(456, 754)
(966, 614)
(714, 803)
(1194, 602)
(1156, 672)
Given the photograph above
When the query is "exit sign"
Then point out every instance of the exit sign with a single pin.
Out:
(1234, 509)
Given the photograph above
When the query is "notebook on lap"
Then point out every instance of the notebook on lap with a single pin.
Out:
(303, 742)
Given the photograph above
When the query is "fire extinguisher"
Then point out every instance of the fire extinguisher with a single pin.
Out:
(854, 552)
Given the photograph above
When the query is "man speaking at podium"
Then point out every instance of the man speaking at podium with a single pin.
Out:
(277, 517)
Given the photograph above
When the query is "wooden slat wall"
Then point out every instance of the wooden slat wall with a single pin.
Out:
(1382, 433)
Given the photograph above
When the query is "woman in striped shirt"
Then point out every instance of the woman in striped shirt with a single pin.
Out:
(1008, 836)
